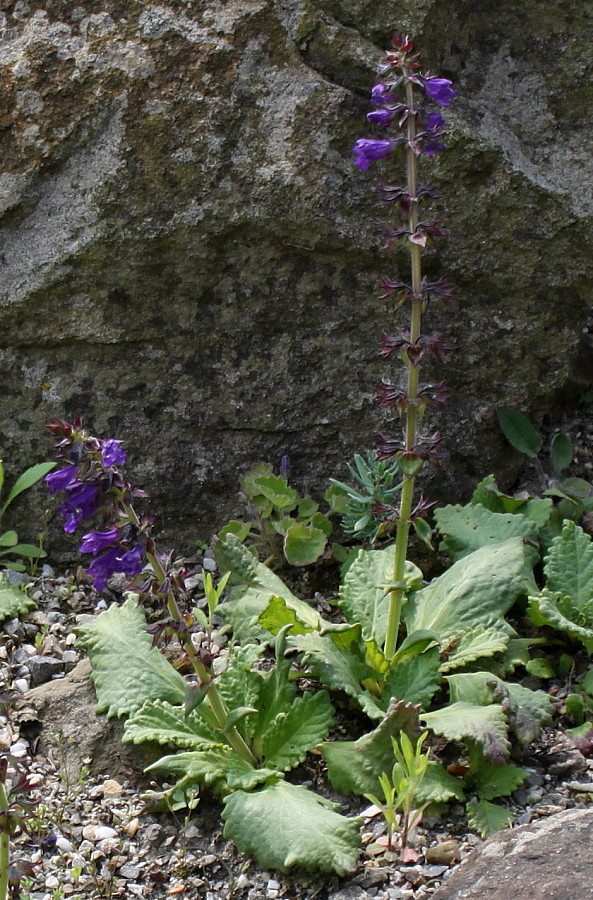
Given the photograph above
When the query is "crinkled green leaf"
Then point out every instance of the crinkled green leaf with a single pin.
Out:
(240, 685)
(13, 601)
(469, 528)
(438, 786)
(477, 590)
(336, 659)
(219, 768)
(414, 680)
(292, 733)
(304, 544)
(474, 643)
(277, 614)
(486, 725)
(558, 611)
(126, 669)
(527, 710)
(487, 818)
(354, 767)
(163, 723)
(569, 569)
(489, 781)
(364, 597)
(285, 825)
(255, 586)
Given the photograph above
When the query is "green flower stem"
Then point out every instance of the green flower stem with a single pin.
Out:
(4, 848)
(411, 414)
(213, 697)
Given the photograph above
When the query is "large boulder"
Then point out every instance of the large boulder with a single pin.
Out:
(547, 860)
(190, 258)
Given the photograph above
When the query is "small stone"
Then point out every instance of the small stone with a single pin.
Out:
(103, 833)
(581, 787)
(14, 628)
(131, 872)
(434, 871)
(19, 749)
(51, 882)
(6, 737)
(273, 885)
(43, 668)
(64, 844)
(112, 788)
(154, 834)
(132, 826)
(442, 853)
(89, 832)
(209, 564)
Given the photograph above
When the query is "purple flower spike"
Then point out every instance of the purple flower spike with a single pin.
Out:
(439, 90)
(60, 480)
(367, 151)
(112, 453)
(379, 97)
(95, 541)
(380, 117)
(114, 560)
(79, 505)
(435, 123)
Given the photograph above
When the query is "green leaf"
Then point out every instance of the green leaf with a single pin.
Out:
(423, 531)
(540, 668)
(256, 586)
(240, 685)
(126, 669)
(557, 611)
(304, 544)
(337, 659)
(364, 598)
(295, 731)
(569, 568)
(474, 643)
(527, 710)
(13, 601)
(307, 508)
(25, 481)
(468, 528)
(285, 825)
(414, 680)
(487, 818)
(354, 767)
(489, 781)
(438, 786)
(277, 614)
(219, 768)
(275, 489)
(29, 551)
(561, 451)
(241, 530)
(519, 431)
(486, 725)
(476, 591)
(9, 539)
(163, 723)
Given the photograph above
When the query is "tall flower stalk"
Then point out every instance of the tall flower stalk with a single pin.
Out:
(95, 488)
(420, 131)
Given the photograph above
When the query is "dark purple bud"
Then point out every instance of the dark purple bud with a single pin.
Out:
(388, 448)
(422, 508)
(435, 394)
(380, 117)
(61, 479)
(442, 289)
(95, 541)
(439, 90)
(379, 95)
(391, 393)
(402, 42)
(112, 453)
(285, 465)
(368, 151)
(397, 288)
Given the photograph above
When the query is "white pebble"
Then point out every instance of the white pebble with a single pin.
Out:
(19, 749)
(52, 882)
(103, 833)
(21, 684)
(209, 564)
(64, 844)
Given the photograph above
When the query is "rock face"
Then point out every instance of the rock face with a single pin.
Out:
(190, 258)
(549, 860)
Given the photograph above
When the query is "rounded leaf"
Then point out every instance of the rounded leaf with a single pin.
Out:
(304, 544)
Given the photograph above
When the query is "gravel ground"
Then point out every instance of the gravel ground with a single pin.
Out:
(91, 837)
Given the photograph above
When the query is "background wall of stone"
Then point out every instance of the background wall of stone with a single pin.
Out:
(189, 256)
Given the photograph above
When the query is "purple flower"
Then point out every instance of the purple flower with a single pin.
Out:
(367, 151)
(435, 123)
(115, 560)
(98, 540)
(79, 505)
(112, 453)
(380, 117)
(379, 97)
(61, 479)
(439, 89)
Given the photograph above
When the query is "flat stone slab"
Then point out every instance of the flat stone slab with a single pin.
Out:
(551, 859)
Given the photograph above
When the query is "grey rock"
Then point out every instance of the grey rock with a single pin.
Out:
(549, 858)
(14, 628)
(42, 668)
(190, 256)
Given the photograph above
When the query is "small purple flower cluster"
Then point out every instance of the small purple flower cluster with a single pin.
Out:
(400, 66)
(94, 486)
